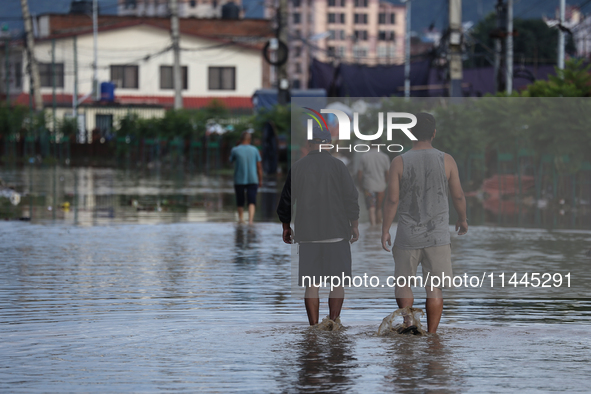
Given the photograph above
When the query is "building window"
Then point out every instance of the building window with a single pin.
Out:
(332, 18)
(130, 4)
(46, 75)
(361, 35)
(167, 80)
(125, 77)
(382, 51)
(296, 3)
(332, 3)
(342, 18)
(295, 84)
(222, 78)
(341, 51)
(331, 51)
(297, 51)
(298, 68)
(361, 19)
(342, 3)
(382, 18)
(359, 51)
(193, 3)
(296, 18)
(386, 36)
(392, 18)
(360, 3)
(341, 35)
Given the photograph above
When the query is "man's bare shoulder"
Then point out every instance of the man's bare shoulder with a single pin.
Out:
(449, 159)
(397, 165)
(397, 160)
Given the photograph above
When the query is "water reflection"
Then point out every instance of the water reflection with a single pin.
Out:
(325, 362)
(205, 308)
(420, 364)
(245, 245)
(98, 196)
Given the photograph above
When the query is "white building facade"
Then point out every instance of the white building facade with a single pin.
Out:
(137, 58)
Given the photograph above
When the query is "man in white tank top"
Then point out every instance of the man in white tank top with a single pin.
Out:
(418, 184)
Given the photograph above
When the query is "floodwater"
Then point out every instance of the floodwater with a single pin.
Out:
(192, 302)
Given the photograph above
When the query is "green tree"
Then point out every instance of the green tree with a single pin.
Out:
(534, 42)
(573, 81)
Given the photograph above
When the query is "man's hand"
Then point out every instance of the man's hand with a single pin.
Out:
(386, 240)
(462, 225)
(286, 233)
(354, 234)
(260, 183)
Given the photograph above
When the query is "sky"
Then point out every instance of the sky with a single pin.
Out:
(424, 12)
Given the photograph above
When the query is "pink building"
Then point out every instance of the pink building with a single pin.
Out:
(352, 31)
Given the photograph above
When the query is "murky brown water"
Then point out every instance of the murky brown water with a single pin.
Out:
(206, 307)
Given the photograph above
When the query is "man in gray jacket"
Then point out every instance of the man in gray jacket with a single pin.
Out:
(418, 183)
(326, 221)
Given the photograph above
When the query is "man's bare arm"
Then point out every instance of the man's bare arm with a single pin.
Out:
(457, 194)
(391, 200)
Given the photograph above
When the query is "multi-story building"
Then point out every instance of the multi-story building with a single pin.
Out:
(367, 32)
(187, 8)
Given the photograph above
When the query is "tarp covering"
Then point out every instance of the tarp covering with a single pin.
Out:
(481, 81)
(384, 81)
(355, 80)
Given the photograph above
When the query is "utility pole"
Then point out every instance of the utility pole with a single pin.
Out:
(80, 136)
(95, 87)
(561, 37)
(7, 69)
(282, 35)
(31, 56)
(509, 49)
(176, 67)
(407, 51)
(455, 48)
(75, 95)
(53, 87)
(498, 34)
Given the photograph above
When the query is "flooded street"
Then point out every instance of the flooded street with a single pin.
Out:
(143, 283)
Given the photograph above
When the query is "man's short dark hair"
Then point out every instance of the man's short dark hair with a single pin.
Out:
(425, 126)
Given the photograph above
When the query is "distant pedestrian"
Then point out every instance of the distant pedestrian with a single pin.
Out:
(372, 175)
(248, 175)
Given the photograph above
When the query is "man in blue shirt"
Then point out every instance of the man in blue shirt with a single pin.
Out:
(248, 175)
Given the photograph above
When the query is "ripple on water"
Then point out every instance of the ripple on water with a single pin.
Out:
(205, 307)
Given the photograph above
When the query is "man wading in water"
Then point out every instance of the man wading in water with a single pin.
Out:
(418, 183)
(326, 221)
